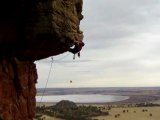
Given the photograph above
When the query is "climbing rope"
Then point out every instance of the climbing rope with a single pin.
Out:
(46, 81)
(44, 90)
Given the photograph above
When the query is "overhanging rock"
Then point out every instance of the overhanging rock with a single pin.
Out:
(37, 29)
(31, 30)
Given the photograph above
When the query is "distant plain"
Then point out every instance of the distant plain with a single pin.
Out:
(137, 95)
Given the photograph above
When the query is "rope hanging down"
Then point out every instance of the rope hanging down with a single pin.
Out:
(47, 81)
(49, 76)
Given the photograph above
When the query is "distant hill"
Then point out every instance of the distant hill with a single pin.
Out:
(65, 104)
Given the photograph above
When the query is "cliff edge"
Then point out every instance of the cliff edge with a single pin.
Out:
(31, 30)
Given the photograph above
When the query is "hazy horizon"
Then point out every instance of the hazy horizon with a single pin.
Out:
(100, 87)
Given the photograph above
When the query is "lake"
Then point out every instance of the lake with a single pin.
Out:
(87, 98)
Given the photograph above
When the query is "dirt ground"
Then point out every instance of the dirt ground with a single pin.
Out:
(134, 113)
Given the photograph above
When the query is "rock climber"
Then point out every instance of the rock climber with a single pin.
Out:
(77, 48)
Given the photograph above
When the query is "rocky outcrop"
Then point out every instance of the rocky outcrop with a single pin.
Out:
(65, 105)
(47, 27)
(17, 89)
(31, 30)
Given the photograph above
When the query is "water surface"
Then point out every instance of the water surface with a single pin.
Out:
(91, 98)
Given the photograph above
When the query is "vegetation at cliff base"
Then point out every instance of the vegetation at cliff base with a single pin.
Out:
(70, 111)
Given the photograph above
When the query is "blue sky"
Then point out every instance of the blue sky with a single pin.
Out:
(122, 47)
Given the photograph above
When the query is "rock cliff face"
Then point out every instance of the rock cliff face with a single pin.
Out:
(31, 30)
(17, 89)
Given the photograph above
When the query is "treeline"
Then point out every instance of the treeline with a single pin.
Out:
(78, 113)
(147, 104)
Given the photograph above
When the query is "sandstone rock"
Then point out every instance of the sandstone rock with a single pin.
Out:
(17, 89)
(37, 29)
(31, 30)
